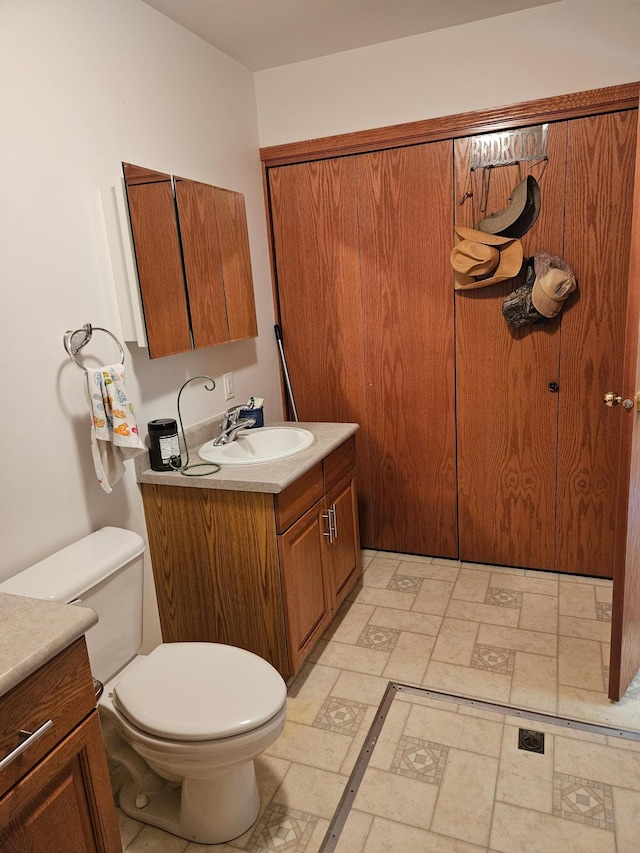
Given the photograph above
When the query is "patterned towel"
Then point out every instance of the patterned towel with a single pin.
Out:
(114, 432)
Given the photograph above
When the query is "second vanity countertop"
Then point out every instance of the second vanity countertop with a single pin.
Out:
(33, 632)
(271, 477)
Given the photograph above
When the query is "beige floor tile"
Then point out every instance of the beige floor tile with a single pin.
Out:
(400, 556)
(525, 778)
(431, 571)
(555, 730)
(481, 713)
(349, 623)
(586, 629)
(604, 593)
(379, 572)
(534, 642)
(465, 681)
(316, 747)
(308, 692)
(475, 774)
(361, 687)
(354, 833)
(408, 660)
(603, 582)
(577, 600)
(357, 742)
(623, 743)
(433, 597)
(580, 663)
(539, 613)
(445, 727)
(389, 738)
(406, 620)
(503, 570)
(152, 840)
(471, 586)
(594, 707)
(537, 585)
(618, 767)
(443, 561)
(386, 836)
(516, 830)
(354, 658)
(129, 828)
(395, 797)
(311, 790)
(534, 683)
(488, 613)
(426, 701)
(382, 597)
(456, 641)
(626, 809)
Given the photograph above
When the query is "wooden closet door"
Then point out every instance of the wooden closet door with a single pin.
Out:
(315, 233)
(506, 415)
(599, 204)
(405, 211)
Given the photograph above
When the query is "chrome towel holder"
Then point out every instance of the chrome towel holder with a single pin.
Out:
(73, 348)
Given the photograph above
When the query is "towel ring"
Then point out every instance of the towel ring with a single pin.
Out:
(88, 330)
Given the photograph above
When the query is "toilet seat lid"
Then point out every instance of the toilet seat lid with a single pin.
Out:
(200, 691)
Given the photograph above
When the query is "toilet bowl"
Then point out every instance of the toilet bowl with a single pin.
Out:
(197, 714)
(187, 720)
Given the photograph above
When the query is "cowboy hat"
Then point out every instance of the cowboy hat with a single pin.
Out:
(523, 210)
(482, 259)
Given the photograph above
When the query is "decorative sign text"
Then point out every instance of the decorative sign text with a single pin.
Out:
(511, 146)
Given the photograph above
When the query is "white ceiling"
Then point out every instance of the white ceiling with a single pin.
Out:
(267, 33)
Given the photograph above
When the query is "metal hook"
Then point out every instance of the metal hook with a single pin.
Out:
(212, 466)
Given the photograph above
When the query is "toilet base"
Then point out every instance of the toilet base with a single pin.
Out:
(208, 811)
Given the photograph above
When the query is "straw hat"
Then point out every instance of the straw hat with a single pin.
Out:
(482, 259)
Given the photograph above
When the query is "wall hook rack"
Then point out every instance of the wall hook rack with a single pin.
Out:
(73, 344)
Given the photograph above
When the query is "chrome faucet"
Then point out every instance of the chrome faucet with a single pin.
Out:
(231, 425)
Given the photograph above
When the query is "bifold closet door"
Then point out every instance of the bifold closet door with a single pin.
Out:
(315, 233)
(507, 416)
(405, 212)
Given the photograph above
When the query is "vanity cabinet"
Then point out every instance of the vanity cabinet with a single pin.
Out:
(192, 254)
(265, 572)
(56, 796)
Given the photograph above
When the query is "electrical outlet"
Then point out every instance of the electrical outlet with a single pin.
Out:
(229, 391)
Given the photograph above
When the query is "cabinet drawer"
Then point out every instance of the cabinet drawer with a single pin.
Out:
(339, 463)
(60, 691)
(298, 497)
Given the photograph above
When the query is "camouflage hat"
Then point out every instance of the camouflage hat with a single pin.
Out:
(518, 309)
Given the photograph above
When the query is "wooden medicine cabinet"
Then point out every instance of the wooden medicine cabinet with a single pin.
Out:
(192, 254)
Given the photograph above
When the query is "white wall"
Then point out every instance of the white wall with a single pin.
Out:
(87, 84)
(564, 47)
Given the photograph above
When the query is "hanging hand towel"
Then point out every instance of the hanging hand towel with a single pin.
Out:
(114, 432)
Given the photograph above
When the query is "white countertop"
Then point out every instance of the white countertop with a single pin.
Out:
(270, 477)
(33, 631)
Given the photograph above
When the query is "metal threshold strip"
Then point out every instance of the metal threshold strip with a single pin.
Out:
(346, 801)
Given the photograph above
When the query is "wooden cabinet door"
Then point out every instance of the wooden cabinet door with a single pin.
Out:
(315, 233)
(405, 212)
(343, 554)
(65, 804)
(306, 591)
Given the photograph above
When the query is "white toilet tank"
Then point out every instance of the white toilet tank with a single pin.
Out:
(103, 571)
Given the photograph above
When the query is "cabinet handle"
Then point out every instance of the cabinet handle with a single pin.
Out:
(330, 534)
(31, 737)
(335, 520)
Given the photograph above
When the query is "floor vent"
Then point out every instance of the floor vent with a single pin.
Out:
(530, 740)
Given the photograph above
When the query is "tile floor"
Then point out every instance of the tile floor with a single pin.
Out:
(530, 639)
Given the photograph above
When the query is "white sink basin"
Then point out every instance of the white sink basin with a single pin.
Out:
(265, 444)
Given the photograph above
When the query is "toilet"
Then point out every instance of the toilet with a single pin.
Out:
(186, 720)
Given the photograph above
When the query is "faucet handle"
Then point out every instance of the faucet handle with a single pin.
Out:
(230, 417)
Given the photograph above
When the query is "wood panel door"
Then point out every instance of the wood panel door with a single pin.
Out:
(601, 154)
(506, 415)
(315, 233)
(625, 619)
(405, 210)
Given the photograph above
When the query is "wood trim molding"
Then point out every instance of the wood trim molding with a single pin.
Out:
(590, 102)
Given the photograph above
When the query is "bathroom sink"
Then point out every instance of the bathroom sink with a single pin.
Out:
(253, 446)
